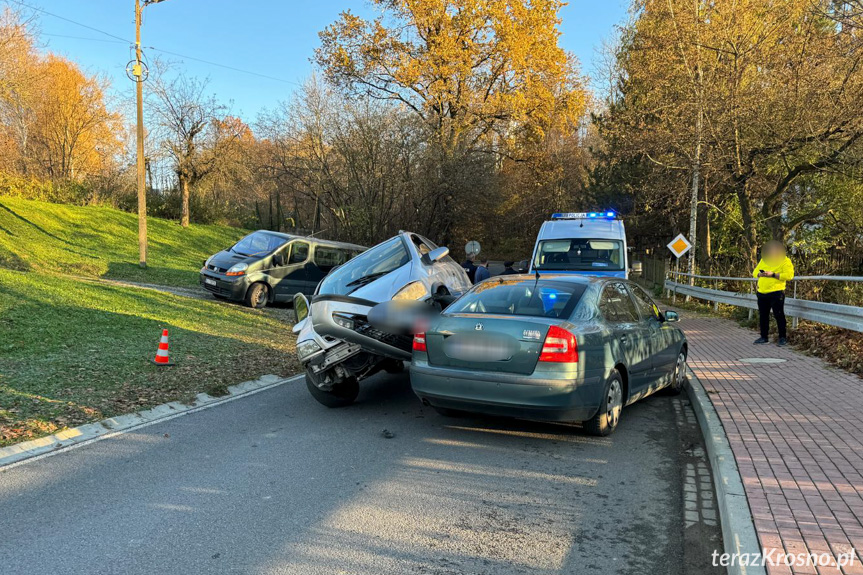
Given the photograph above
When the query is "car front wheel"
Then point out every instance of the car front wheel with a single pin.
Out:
(606, 419)
(257, 296)
(343, 393)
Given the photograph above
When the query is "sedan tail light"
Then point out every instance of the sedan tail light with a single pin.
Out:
(420, 342)
(559, 347)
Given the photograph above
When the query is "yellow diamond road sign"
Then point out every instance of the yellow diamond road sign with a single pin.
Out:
(679, 245)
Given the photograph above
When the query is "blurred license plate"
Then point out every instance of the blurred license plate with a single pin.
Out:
(482, 347)
(209, 282)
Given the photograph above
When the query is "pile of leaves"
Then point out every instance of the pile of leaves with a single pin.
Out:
(840, 347)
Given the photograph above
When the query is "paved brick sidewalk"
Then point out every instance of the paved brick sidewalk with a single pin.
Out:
(796, 429)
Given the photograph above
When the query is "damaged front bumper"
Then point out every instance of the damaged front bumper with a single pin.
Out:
(346, 318)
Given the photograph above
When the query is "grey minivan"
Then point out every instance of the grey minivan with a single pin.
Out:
(266, 267)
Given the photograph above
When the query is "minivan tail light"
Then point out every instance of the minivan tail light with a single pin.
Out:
(559, 347)
(420, 342)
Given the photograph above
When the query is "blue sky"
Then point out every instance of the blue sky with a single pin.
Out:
(271, 37)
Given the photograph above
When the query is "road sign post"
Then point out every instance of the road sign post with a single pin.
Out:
(678, 246)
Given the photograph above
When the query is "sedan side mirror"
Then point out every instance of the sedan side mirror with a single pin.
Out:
(438, 254)
(279, 259)
(671, 316)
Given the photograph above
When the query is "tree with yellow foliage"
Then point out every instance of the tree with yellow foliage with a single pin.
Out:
(481, 76)
(73, 134)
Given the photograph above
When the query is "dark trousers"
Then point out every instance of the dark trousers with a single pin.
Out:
(774, 301)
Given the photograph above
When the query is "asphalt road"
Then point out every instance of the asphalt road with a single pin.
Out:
(276, 483)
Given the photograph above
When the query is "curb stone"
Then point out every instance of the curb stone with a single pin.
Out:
(738, 529)
(77, 436)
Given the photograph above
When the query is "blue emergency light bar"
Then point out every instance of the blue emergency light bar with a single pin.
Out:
(609, 214)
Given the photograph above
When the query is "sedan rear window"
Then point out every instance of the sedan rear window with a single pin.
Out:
(521, 297)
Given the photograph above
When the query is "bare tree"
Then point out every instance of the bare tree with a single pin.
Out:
(187, 119)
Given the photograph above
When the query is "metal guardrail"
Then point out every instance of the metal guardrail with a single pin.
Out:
(838, 315)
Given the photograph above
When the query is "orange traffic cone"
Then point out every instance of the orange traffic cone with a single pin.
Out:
(162, 357)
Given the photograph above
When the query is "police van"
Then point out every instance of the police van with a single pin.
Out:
(588, 243)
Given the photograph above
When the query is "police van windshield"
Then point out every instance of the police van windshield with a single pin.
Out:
(580, 254)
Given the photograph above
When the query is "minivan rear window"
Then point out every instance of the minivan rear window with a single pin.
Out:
(521, 297)
(327, 258)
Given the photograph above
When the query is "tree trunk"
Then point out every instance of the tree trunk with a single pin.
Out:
(184, 201)
(750, 232)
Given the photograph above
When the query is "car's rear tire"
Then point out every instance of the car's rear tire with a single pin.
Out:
(678, 377)
(607, 418)
(343, 394)
(257, 295)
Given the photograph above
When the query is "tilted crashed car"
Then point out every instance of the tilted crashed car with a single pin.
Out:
(337, 344)
(552, 347)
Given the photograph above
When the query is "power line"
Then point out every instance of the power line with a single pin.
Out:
(125, 41)
(69, 20)
(84, 38)
(224, 66)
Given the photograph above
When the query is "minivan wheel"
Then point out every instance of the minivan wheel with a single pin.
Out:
(257, 295)
(606, 419)
(678, 377)
(344, 392)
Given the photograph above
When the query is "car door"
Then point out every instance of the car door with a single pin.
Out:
(661, 335)
(294, 276)
(620, 312)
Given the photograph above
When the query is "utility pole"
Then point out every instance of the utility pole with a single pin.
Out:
(138, 73)
(696, 161)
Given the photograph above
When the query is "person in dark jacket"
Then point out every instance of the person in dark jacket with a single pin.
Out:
(508, 269)
(482, 272)
(470, 268)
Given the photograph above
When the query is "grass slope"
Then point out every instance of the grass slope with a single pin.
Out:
(73, 351)
(103, 242)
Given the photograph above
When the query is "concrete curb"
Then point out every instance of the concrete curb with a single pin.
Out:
(78, 436)
(738, 529)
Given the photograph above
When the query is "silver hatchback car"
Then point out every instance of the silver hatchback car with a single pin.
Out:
(337, 344)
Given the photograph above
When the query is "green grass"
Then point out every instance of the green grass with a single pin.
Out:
(74, 351)
(103, 242)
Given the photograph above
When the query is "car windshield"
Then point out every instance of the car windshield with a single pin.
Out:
(366, 267)
(258, 243)
(543, 298)
(580, 254)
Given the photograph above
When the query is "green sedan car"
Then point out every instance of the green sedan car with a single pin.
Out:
(552, 348)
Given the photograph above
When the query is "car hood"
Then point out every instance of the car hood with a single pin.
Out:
(225, 259)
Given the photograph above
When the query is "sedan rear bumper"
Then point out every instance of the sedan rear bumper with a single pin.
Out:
(522, 396)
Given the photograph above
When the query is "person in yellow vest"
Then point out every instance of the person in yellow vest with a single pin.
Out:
(774, 269)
